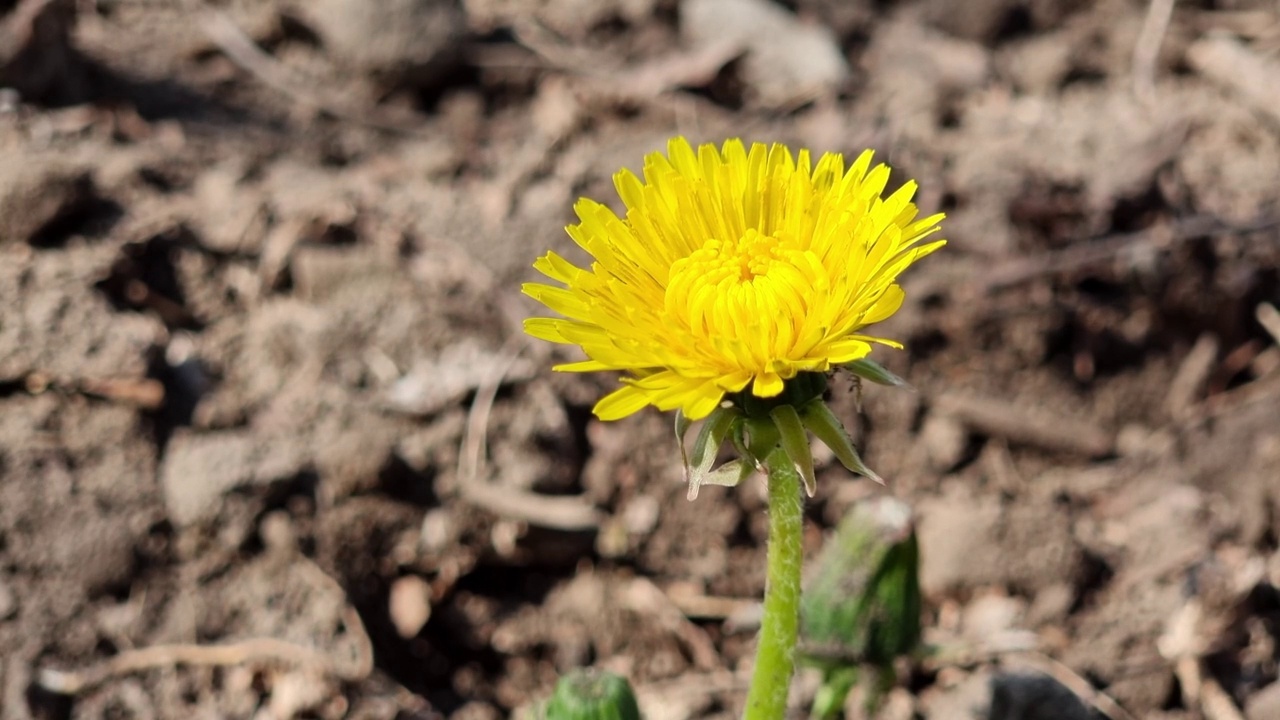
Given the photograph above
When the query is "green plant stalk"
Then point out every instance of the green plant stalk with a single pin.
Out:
(776, 649)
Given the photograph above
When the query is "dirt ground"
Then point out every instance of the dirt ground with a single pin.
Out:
(273, 446)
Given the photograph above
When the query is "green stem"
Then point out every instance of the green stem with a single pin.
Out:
(775, 654)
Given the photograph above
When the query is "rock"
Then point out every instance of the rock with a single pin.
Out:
(1034, 697)
(320, 274)
(36, 192)
(199, 468)
(967, 541)
(950, 529)
(93, 550)
(397, 41)
(787, 61)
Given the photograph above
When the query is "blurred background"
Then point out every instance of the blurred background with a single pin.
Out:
(272, 444)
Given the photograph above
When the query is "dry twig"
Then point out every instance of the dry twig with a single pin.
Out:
(1147, 49)
(253, 650)
(1269, 319)
(1190, 378)
(1073, 681)
(240, 49)
(1083, 254)
(568, 513)
(144, 393)
(160, 656)
(557, 512)
(696, 604)
(643, 596)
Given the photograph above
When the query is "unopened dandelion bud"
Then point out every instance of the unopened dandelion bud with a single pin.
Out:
(592, 695)
(861, 609)
(862, 606)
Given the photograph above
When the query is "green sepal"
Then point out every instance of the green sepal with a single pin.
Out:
(591, 695)
(683, 423)
(823, 423)
(697, 469)
(869, 369)
(761, 438)
(795, 442)
(729, 474)
(738, 436)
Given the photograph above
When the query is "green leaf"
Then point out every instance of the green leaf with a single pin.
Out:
(826, 427)
(795, 442)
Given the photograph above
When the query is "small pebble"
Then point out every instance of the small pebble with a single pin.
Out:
(409, 605)
(945, 441)
(277, 532)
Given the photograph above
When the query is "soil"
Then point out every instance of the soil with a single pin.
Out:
(272, 444)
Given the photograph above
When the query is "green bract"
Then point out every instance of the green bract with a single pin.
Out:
(869, 369)
(756, 427)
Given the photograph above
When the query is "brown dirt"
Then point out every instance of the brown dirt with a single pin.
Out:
(256, 268)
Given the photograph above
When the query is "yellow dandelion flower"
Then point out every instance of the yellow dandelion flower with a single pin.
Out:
(731, 267)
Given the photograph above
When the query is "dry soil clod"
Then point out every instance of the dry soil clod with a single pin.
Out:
(1025, 425)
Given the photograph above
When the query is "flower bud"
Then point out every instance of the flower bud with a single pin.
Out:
(591, 695)
(862, 606)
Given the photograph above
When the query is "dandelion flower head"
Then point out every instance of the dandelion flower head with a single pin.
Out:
(732, 267)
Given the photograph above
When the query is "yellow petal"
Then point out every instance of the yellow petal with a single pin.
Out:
(621, 403)
(847, 349)
(888, 304)
(767, 384)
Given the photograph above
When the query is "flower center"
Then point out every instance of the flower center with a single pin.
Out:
(745, 289)
(752, 255)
